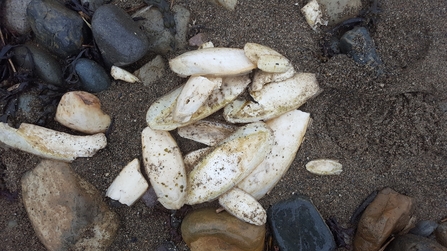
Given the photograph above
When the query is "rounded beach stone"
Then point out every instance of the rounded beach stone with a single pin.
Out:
(67, 212)
(92, 76)
(118, 37)
(61, 30)
(204, 229)
(15, 15)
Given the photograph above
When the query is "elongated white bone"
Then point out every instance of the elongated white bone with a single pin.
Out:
(121, 74)
(160, 114)
(164, 166)
(229, 162)
(288, 132)
(207, 132)
(212, 61)
(273, 99)
(51, 144)
(129, 185)
(324, 167)
(193, 95)
(243, 206)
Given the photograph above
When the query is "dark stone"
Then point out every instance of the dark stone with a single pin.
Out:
(93, 5)
(297, 225)
(60, 30)
(411, 242)
(441, 234)
(92, 76)
(44, 65)
(424, 228)
(118, 37)
(359, 45)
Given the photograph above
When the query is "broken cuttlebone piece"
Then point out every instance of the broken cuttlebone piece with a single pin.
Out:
(121, 74)
(266, 59)
(207, 132)
(243, 206)
(262, 78)
(313, 14)
(195, 92)
(129, 185)
(51, 144)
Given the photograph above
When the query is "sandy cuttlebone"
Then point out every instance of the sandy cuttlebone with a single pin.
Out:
(227, 4)
(243, 206)
(193, 95)
(273, 99)
(262, 78)
(164, 166)
(313, 14)
(81, 111)
(129, 185)
(324, 167)
(212, 62)
(160, 114)
(229, 162)
(49, 143)
(192, 158)
(121, 74)
(267, 59)
(207, 132)
(288, 132)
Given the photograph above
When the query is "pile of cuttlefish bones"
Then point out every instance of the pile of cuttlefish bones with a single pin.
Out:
(241, 164)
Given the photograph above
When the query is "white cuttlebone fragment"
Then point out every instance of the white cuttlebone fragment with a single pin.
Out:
(212, 62)
(262, 78)
(207, 132)
(192, 158)
(129, 185)
(51, 144)
(227, 4)
(274, 99)
(313, 14)
(243, 206)
(253, 51)
(194, 93)
(274, 64)
(229, 162)
(81, 111)
(288, 132)
(121, 74)
(164, 166)
(160, 114)
(206, 45)
(324, 167)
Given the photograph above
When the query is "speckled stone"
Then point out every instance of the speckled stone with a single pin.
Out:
(118, 37)
(205, 230)
(298, 226)
(15, 16)
(61, 30)
(66, 212)
(411, 242)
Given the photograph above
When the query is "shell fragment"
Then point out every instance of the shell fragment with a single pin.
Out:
(229, 162)
(243, 206)
(274, 99)
(324, 167)
(164, 165)
(288, 131)
(313, 14)
(160, 114)
(121, 74)
(129, 185)
(212, 61)
(51, 144)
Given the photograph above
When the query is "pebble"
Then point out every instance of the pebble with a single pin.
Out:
(389, 213)
(61, 30)
(66, 212)
(161, 39)
(28, 107)
(441, 234)
(92, 76)
(81, 111)
(359, 45)
(297, 225)
(152, 71)
(411, 242)
(205, 230)
(45, 66)
(15, 16)
(424, 228)
(118, 37)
